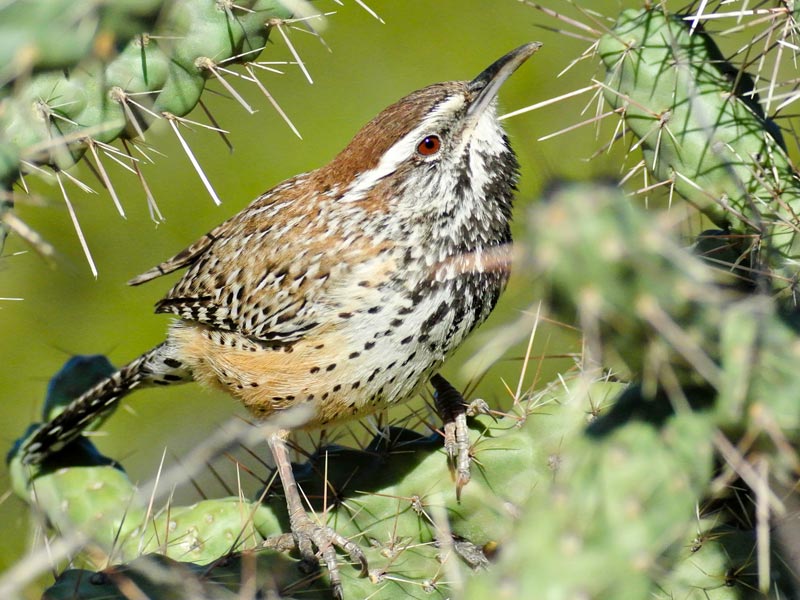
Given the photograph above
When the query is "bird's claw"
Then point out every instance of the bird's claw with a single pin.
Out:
(453, 410)
(309, 535)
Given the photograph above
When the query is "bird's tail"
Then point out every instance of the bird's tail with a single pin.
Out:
(159, 366)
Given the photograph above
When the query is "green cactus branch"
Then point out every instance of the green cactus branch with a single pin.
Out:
(702, 129)
(716, 368)
(37, 36)
(49, 117)
(129, 64)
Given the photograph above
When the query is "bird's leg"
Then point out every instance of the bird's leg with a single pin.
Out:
(306, 532)
(452, 409)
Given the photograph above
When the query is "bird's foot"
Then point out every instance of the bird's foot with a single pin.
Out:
(454, 411)
(309, 535)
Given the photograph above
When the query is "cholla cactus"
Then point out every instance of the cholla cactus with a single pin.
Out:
(703, 130)
(652, 500)
(710, 127)
(127, 65)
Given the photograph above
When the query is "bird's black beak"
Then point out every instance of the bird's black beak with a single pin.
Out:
(486, 85)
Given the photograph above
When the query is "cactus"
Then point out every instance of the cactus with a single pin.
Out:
(713, 355)
(703, 130)
(633, 510)
(35, 36)
(53, 117)
(119, 76)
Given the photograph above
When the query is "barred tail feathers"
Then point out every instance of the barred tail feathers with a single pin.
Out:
(156, 367)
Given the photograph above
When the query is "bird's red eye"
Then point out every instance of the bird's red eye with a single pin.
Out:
(430, 145)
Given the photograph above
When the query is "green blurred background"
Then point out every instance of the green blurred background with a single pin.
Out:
(66, 311)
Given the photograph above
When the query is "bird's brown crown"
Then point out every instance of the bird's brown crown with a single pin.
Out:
(374, 139)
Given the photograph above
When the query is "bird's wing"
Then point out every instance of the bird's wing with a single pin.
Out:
(263, 272)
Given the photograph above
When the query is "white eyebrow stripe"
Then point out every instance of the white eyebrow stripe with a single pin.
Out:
(401, 150)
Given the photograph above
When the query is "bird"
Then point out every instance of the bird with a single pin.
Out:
(342, 289)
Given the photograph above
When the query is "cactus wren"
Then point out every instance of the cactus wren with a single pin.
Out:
(344, 288)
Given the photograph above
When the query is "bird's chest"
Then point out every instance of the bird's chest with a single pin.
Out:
(410, 327)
